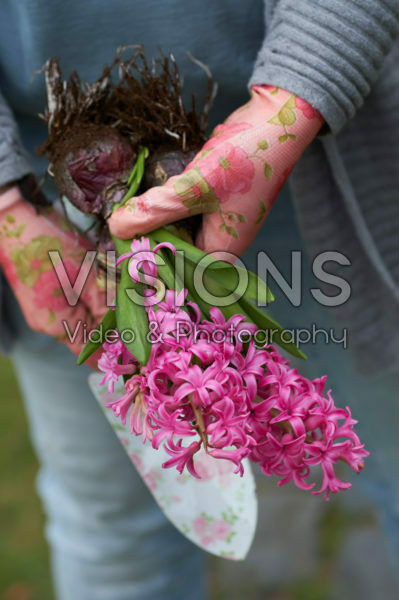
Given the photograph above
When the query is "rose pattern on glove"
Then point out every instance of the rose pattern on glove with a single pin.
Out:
(235, 177)
(234, 173)
(32, 259)
(48, 290)
(26, 239)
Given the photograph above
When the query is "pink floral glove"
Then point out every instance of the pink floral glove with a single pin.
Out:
(26, 238)
(236, 176)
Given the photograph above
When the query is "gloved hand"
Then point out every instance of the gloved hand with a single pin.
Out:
(234, 179)
(26, 237)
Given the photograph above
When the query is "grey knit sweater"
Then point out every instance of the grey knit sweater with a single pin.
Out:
(341, 56)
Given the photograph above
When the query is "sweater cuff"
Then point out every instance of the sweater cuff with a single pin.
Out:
(328, 52)
(14, 159)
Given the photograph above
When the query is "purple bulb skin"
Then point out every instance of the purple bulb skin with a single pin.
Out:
(95, 160)
(163, 164)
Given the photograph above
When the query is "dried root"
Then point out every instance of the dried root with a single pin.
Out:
(144, 104)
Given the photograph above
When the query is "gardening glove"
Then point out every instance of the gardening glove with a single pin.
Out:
(26, 237)
(234, 179)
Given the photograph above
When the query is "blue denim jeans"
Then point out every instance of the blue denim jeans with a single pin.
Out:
(108, 538)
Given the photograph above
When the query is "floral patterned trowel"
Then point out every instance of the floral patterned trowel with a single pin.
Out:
(217, 512)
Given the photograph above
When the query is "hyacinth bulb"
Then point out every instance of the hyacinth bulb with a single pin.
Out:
(93, 166)
(165, 163)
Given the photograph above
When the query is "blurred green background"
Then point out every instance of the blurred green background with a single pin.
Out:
(304, 549)
(24, 569)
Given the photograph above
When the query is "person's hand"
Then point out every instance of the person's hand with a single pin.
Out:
(234, 179)
(26, 237)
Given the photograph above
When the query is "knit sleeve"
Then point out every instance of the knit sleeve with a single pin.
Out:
(14, 159)
(328, 52)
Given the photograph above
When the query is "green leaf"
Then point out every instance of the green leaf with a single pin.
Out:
(108, 323)
(202, 205)
(228, 277)
(283, 138)
(263, 144)
(20, 230)
(290, 102)
(264, 321)
(10, 219)
(219, 290)
(213, 285)
(232, 231)
(258, 290)
(36, 250)
(192, 204)
(268, 171)
(291, 136)
(242, 218)
(135, 177)
(275, 120)
(262, 212)
(16, 233)
(129, 315)
(220, 272)
(287, 115)
(191, 252)
(166, 272)
(191, 291)
(198, 196)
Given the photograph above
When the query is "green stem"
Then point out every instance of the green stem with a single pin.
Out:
(135, 177)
